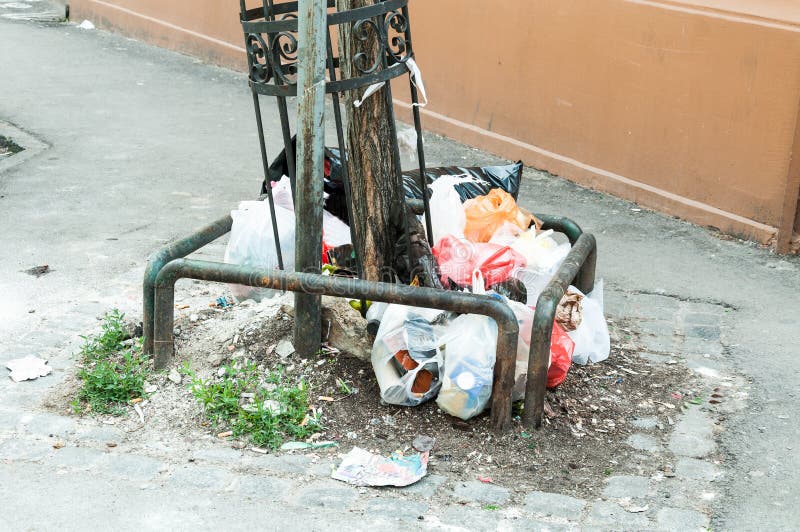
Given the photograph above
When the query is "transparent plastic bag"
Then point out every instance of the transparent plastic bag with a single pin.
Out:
(252, 243)
(592, 341)
(542, 253)
(470, 342)
(486, 214)
(406, 357)
(535, 282)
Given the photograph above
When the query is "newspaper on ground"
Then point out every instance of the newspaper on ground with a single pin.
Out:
(362, 468)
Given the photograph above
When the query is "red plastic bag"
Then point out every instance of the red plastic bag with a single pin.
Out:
(561, 348)
(459, 258)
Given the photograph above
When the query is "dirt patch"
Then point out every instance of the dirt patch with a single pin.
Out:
(588, 419)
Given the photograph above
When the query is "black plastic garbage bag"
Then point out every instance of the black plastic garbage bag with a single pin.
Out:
(506, 177)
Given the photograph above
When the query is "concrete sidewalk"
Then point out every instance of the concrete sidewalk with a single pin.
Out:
(139, 146)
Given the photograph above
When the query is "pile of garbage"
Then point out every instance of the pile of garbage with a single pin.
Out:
(483, 242)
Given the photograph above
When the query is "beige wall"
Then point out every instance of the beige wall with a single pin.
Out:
(686, 107)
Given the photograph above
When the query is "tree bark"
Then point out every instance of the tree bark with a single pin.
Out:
(378, 206)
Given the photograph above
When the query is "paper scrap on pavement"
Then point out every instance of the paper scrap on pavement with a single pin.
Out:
(362, 468)
(28, 368)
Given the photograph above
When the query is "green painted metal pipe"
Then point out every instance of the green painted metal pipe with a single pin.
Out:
(461, 302)
(178, 249)
(542, 330)
(561, 224)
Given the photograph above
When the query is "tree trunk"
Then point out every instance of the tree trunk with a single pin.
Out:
(378, 210)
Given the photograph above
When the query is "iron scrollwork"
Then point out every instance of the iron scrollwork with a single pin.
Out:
(361, 31)
(278, 59)
(258, 52)
(284, 57)
(396, 47)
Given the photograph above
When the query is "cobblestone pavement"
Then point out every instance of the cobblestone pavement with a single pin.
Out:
(126, 169)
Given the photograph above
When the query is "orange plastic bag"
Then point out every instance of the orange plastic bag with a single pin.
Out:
(486, 214)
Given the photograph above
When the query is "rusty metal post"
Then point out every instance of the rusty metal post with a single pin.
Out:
(175, 250)
(313, 28)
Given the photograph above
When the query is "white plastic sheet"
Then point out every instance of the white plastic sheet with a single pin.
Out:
(252, 243)
(592, 341)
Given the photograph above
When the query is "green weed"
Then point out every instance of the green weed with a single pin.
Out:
(344, 387)
(278, 409)
(112, 373)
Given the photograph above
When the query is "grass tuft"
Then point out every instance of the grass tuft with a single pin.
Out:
(112, 373)
(267, 409)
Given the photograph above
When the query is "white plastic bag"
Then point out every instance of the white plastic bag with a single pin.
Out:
(592, 341)
(408, 331)
(470, 343)
(282, 193)
(447, 210)
(252, 243)
(335, 232)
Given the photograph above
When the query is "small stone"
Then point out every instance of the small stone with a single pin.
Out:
(424, 443)
(193, 318)
(352, 436)
(284, 349)
(222, 371)
(174, 376)
(149, 388)
(216, 359)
